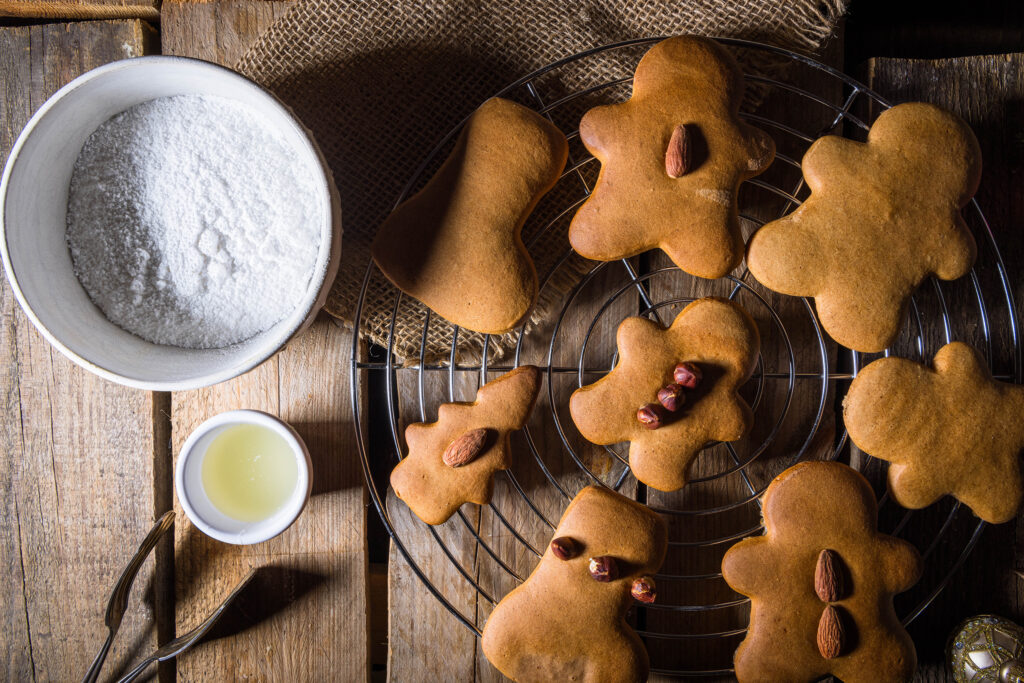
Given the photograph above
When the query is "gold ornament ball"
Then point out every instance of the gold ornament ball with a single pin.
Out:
(987, 649)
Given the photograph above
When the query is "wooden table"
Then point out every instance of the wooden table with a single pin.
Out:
(88, 463)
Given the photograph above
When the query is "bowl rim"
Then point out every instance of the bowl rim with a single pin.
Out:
(328, 255)
(263, 530)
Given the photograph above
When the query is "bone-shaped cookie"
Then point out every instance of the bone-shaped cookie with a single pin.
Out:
(949, 429)
(821, 582)
(453, 461)
(456, 244)
(882, 216)
(567, 622)
(717, 336)
(672, 159)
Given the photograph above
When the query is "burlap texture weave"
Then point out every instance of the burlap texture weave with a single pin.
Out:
(380, 83)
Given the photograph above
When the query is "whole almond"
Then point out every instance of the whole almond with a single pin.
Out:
(677, 156)
(831, 636)
(462, 450)
(828, 576)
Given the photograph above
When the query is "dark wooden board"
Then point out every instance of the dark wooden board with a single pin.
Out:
(988, 92)
(78, 453)
(307, 619)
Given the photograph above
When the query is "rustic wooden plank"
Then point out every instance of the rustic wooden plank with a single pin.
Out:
(216, 31)
(589, 307)
(419, 626)
(148, 10)
(601, 347)
(716, 653)
(416, 617)
(987, 91)
(307, 619)
(77, 451)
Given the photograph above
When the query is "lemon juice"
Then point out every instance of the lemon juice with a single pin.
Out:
(249, 472)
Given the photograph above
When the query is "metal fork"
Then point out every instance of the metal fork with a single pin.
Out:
(119, 597)
(119, 601)
(184, 642)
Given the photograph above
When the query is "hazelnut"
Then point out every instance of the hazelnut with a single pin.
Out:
(564, 548)
(688, 375)
(671, 396)
(604, 568)
(643, 589)
(650, 415)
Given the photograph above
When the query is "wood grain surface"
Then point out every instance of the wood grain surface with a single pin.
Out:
(419, 626)
(89, 462)
(988, 91)
(307, 616)
(793, 424)
(218, 31)
(409, 627)
(71, 10)
(77, 452)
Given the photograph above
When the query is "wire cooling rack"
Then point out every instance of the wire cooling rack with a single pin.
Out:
(476, 557)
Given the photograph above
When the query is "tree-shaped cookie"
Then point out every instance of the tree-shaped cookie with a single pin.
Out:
(456, 244)
(882, 216)
(453, 461)
(821, 582)
(673, 390)
(567, 621)
(948, 429)
(672, 159)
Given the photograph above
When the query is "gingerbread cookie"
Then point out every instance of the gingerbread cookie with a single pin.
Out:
(453, 461)
(673, 390)
(567, 622)
(821, 582)
(456, 245)
(672, 159)
(950, 429)
(882, 216)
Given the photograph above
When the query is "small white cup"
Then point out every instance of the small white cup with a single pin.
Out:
(188, 481)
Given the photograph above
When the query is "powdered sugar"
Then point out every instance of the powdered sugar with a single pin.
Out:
(192, 223)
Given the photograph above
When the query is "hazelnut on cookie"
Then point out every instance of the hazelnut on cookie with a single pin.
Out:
(673, 390)
(603, 554)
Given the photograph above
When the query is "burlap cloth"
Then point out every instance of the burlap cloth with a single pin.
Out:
(380, 83)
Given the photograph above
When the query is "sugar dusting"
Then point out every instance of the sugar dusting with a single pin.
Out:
(191, 222)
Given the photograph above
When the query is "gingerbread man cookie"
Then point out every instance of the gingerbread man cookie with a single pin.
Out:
(821, 582)
(672, 159)
(453, 461)
(456, 244)
(882, 216)
(950, 429)
(673, 390)
(567, 621)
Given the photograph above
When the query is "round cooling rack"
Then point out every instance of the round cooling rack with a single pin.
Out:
(483, 552)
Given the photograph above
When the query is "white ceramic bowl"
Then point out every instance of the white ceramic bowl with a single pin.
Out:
(33, 207)
(188, 481)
